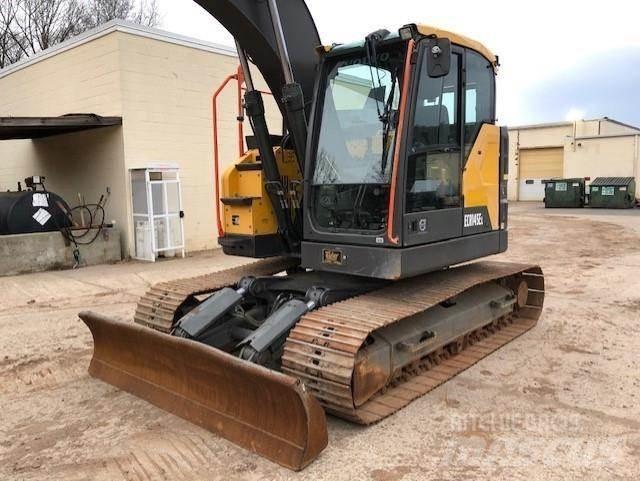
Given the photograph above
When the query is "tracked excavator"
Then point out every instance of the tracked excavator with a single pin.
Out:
(363, 216)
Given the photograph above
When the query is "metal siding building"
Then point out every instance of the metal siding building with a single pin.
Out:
(161, 85)
(585, 148)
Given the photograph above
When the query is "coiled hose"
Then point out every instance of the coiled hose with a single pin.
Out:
(78, 237)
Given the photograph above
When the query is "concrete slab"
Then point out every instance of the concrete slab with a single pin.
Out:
(561, 402)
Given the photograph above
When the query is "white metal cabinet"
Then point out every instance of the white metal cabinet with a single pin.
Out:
(158, 227)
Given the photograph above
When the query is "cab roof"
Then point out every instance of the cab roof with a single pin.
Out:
(426, 30)
(459, 40)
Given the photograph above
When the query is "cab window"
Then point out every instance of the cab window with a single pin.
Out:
(479, 89)
(435, 120)
(433, 169)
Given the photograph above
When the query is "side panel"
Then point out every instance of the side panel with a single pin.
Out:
(392, 263)
(480, 182)
(426, 227)
(250, 224)
(245, 209)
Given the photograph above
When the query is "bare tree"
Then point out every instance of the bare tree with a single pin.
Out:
(148, 13)
(34, 25)
(144, 12)
(29, 26)
(10, 50)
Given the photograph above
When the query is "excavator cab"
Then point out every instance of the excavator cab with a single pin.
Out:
(404, 167)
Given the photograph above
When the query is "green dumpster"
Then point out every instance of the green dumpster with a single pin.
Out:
(564, 193)
(612, 192)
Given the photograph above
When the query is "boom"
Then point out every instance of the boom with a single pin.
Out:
(249, 21)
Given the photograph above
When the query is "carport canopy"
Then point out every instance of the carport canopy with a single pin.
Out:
(38, 127)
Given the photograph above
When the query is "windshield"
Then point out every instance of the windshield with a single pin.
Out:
(355, 141)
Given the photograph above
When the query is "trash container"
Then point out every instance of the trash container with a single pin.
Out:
(612, 192)
(564, 193)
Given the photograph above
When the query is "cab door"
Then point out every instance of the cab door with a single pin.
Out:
(433, 194)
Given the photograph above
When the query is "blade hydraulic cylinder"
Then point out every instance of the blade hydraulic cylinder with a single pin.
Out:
(208, 312)
(264, 344)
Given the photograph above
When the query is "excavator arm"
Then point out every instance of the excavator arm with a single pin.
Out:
(250, 23)
(279, 37)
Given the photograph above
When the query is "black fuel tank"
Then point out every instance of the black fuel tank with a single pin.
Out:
(28, 211)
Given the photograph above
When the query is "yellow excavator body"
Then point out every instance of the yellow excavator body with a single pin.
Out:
(365, 213)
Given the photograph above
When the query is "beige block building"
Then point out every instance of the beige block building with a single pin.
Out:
(161, 84)
(585, 148)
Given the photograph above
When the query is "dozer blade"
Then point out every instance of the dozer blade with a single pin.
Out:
(264, 411)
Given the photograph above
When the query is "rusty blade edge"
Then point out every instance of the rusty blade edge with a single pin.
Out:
(98, 368)
(283, 449)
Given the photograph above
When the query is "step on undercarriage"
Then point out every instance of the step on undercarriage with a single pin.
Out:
(359, 348)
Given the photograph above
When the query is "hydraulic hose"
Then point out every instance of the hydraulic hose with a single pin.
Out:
(72, 236)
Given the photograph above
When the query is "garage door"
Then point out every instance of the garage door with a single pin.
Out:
(535, 166)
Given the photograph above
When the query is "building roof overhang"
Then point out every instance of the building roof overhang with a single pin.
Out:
(38, 127)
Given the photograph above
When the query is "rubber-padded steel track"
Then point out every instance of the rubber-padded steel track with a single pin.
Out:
(160, 306)
(322, 348)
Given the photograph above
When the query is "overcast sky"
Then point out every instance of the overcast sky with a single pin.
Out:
(561, 59)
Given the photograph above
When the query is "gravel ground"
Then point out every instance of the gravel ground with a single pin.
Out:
(560, 402)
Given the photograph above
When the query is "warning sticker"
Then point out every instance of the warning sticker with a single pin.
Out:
(40, 200)
(42, 216)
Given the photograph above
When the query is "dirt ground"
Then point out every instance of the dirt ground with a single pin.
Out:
(560, 402)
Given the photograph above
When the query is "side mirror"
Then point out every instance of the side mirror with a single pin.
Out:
(438, 57)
